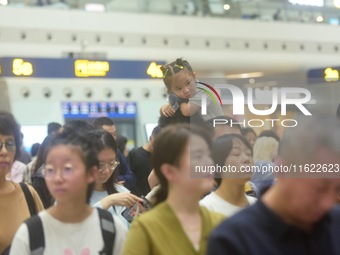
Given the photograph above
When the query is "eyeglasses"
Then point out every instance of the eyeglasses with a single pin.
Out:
(50, 172)
(10, 146)
(111, 165)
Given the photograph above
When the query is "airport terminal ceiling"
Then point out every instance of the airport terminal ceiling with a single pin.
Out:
(273, 49)
(220, 48)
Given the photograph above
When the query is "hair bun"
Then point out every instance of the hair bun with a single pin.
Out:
(179, 61)
(163, 69)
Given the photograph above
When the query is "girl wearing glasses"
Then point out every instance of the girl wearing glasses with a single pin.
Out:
(180, 80)
(177, 224)
(71, 225)
(107, 194)
(13, 205)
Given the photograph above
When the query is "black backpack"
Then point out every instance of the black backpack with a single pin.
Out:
(37, 239)
(31, 207)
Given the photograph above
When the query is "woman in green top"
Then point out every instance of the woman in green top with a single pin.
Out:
(177, 225)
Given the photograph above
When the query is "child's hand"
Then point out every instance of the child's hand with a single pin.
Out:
(174, 101)
(167, 110)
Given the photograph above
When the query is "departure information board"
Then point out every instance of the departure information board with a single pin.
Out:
(85, 110)
(80, 68)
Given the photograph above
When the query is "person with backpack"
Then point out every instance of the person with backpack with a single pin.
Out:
(108, 194)
(71, 225)
(17, 201)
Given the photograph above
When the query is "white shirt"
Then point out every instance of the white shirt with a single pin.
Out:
(212, 109)
(217, 204)
(84, 238)
(97, 196)
(17, 173)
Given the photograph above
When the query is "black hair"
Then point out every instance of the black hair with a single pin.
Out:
(77, 127)
(174, 67)
(247, 130)
(169, 146)
(34, 149)
(42, 153)
(178, 117)
(53, 127)
(101, 140)
(269, 133)
(155, 131)
(222, 147)
(37, 179)
(99, 122)
(9, 126)
(86, 149)
(209, 124)
(121, 142)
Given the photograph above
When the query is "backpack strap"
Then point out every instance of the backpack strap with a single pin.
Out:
(107, 226)
(37, 238)
(29, 199)
(36, 235)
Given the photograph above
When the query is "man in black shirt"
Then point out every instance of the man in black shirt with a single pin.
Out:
(140, 161)
(298, 215)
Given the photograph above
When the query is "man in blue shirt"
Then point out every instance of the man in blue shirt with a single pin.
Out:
(298, 215)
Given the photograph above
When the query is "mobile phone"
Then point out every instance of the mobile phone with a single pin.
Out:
(130, 213)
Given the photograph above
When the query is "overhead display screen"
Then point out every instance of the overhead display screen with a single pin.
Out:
(323, 75)
(80, 68)
(85, 110)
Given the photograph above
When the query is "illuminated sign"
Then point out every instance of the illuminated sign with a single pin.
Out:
(154, 70)
(324, 75)
(86, 68)
(21, 68)
(79, 68)
(331, 75)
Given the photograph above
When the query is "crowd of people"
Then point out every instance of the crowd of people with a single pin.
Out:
(81, 194)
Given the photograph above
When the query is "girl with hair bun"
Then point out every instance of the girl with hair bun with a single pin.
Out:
(181, 83)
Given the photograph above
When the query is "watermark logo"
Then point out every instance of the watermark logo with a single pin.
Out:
(277, 95)
(274, 98)
(213, 94)
(210, 91)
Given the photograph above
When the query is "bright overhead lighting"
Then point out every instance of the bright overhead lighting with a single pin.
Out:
(318, 3)
(337, 3)
(319, 18)
(244, 75)
(226, 7)
(3, 2)
(91, 7)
